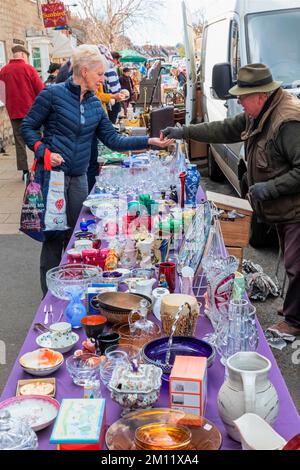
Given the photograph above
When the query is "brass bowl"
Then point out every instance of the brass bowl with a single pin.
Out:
(116, 306)
(157, 436)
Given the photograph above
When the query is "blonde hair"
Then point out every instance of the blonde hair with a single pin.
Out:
(86, 55)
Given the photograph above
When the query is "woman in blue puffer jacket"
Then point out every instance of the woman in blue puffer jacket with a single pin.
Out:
(71, 115)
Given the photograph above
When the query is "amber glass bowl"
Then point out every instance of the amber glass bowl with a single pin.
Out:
(159, 436)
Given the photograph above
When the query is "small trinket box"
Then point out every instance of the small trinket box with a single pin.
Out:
(80, 425)
(188, 384)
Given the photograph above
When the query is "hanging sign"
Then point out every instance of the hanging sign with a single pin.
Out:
(54, 14)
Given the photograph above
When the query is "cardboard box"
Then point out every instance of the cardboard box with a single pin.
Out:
(80, 425)
(188, 384)
(96, 289)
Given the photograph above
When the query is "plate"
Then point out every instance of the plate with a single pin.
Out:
(45, 386)
(39, 411)
(100, 202)
(45, 341)
(41, 359)
(205, 435)
(155, 351)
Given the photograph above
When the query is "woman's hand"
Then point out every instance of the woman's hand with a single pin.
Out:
(162, 143)
(118, 96)
(56, 159)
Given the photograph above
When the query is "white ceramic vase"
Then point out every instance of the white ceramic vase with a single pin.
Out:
(247, 390)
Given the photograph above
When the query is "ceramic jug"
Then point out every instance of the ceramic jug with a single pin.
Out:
(247, 390)
(144, 286)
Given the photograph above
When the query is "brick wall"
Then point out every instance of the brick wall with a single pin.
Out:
(16, 16)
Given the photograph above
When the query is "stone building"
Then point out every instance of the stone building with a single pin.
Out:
(21, 23)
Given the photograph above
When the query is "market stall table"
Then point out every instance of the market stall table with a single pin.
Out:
(287, 423)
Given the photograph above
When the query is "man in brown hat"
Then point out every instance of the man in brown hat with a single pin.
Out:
(270, 129)
(22, 84)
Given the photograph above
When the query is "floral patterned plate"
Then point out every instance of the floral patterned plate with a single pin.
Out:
(38, 411)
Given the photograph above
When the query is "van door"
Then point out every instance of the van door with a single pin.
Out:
(234, 151)
(214, 50)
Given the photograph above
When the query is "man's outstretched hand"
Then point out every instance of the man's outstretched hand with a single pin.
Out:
(172, 133)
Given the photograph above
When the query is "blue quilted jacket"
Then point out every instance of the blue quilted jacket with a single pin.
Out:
(69, 127)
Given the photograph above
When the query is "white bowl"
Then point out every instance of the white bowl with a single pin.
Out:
(42, 372)
(44, 341)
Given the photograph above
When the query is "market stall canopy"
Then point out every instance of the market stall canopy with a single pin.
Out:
(129, 55)
(62, 46)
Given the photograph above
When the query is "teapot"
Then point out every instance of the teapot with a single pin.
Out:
(247, 390)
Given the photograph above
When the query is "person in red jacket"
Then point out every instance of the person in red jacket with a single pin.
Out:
(22, 84)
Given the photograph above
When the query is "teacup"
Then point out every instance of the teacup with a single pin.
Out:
(61, 334)
(93, 325)
(104, 341)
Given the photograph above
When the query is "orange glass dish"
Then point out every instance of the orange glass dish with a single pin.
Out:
(156, 436)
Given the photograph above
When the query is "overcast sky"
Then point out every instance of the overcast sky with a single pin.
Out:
(169, 28)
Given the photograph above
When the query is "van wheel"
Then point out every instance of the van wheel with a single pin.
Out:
(259, 233)
(214, 171)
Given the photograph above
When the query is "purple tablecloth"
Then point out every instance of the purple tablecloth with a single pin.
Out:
(287, 423)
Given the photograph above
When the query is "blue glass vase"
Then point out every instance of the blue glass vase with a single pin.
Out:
(75, 310)
(192, 182)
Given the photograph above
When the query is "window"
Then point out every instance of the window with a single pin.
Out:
(2, 62)
(36, 60)
(2, 54)
(216, 47)
(273, 39)
(235, 59)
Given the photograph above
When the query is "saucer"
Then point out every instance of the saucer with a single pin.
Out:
(44, 341)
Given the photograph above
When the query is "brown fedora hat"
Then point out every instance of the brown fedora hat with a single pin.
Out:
(19, 48)
(254, 78)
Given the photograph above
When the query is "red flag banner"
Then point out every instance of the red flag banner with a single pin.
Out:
(54, 15)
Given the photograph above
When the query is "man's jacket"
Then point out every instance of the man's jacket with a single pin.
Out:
(22, 84)
(272, 151)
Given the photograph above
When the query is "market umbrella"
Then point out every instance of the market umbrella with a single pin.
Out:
(129, 55)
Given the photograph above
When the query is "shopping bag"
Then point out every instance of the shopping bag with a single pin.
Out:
(43, 213)
(32, 212)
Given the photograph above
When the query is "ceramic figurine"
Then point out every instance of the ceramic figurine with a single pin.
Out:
(163, 282)
(111, 262)
(145, 248)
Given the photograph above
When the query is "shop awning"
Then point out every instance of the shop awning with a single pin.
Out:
(129, 55)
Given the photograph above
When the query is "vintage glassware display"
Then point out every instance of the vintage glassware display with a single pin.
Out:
(240, 333)
(63, 277)
(121, 435)
(16, 434)
(75, 310)
(157, 436)
(113, 358)
(83, 368)
(219, 272)
(141, 328)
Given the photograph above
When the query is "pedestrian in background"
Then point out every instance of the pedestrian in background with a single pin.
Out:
(112, 81)
(53, 72)
(126, 84)
(22, 85)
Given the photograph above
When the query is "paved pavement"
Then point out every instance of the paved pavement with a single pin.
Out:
(20, 292)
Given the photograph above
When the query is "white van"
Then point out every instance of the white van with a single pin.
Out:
(238, 32)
